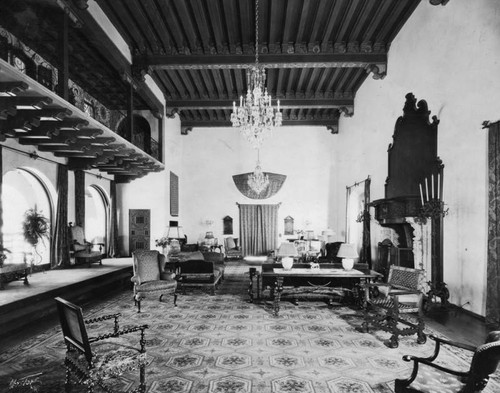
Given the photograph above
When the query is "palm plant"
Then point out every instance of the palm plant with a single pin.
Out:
(35, 227)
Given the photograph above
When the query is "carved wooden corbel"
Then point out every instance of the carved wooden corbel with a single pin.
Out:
(376, 70)
(170, 113)
(346, 111)
(186, 129)
(438, 2)
(333, 128)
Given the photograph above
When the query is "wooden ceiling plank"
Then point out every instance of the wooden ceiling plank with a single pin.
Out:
(144, 24)
(211, 84)
(292, 19)
(179, 86)
(13, 87)
(246, 22)
(319, 21)
(166, 85)
(228, 84)
(217, 23)
(172, 24)
(367, 14)
(303, 75)
(231, 18)
(199, 83)
(376, 20)
(403, 16)
(187, 24)
(277, 10)
(304, 22)
(158, 25)
(188, 85)
(333, 80)
(391, 18)
(313, 81)
(202, 23)
(347, 17)
(239, 79)
(36, 102)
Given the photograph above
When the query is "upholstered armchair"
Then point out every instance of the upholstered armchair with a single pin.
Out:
(81, 249)
(150, 279)
(397, 302)
(97, 361)
(331, 250)
(430, 376)
(232, 249)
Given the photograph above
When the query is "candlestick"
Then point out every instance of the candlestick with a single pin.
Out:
(234, 106)
(421, 194)
(278, 105)
(241, 100)
(426, 190)
(432, 186)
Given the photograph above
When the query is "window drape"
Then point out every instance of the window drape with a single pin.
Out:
(80, 198)
(60, 238)
(493, 264)
(258, 228)
(113, 250)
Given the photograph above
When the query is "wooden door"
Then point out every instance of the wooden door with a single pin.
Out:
(139, 229)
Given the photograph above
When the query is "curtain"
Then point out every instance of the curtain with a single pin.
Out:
(113, 250)
(80, 199)
(258, 228)
(493, 264)
(60, 238)
(358, 218)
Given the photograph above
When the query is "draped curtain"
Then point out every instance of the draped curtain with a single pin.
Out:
(80, 198)
(113, 250)
(60, 238)
(493, 264)
(258, 228)
(358, 218)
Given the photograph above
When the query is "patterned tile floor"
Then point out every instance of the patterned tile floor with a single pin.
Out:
(224, 344)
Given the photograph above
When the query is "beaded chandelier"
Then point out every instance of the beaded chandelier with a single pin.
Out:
(258, 180)
(256, 116)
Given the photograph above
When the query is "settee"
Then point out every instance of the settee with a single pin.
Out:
(197, 270)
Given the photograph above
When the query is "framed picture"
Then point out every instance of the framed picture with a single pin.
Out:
(288, 225)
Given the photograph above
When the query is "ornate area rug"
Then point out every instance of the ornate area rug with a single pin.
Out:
(224, 344)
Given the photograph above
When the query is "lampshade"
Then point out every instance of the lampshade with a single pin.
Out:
(175, 233)
(287, 249)
(347, 250)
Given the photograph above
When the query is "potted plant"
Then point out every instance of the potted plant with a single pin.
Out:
(35, 228)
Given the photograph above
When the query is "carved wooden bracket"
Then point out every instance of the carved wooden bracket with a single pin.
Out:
(438, 2)
(185, 130)
(378, 70)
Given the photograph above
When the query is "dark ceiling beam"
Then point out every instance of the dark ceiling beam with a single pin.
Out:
(221, 123)
(284, 103)
(338, 60)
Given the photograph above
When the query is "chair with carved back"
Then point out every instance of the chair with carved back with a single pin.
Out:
(232, 249)
(429, 375)
(98, 361)
(397, 302)
(81, 249)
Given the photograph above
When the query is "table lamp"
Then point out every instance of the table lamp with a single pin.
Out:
(347, 252)
(286, 252)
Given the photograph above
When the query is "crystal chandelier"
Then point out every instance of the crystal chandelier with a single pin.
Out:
(258, 180)
(256, 116)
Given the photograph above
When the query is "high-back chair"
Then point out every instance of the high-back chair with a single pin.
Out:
(150, 279)
(436, 377)
(232, 249)
(81, 249)
(91, 361)
(388, 305)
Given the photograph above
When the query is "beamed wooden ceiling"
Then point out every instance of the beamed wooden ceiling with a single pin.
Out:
(317, 52)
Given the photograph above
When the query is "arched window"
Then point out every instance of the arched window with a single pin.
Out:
(97, 215)
(25, 189)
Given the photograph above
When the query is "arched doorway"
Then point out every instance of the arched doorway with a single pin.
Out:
(141, 135)
(25, 189)
(97, 215)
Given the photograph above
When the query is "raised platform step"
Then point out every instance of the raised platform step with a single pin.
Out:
(22, 305)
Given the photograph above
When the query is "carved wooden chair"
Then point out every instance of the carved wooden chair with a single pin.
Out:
(393, 303)
(434, 377)
(150, 279)
(97, 361)
(81, 249)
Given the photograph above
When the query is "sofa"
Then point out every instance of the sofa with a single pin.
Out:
(198, 270)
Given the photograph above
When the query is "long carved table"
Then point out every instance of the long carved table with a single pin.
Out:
(328, 280)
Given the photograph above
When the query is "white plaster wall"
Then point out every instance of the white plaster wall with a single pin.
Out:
(211, 156)
(450, 57)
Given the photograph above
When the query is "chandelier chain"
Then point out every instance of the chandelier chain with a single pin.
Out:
(257, 33)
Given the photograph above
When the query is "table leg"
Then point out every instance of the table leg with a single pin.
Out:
(251, 272)
(276, 294)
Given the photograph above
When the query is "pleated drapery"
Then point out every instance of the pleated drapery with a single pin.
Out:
(113, 250)
(493, 265)
(258, 228)
(80, 199)
(60, 238)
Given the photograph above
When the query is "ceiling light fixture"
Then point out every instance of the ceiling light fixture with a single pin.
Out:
(258, 180)
(256, 116)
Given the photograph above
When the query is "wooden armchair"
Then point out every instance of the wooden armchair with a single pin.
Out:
(93, 361)
(393, 303)
(81, 249)
(434, 377)
(150, 278)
